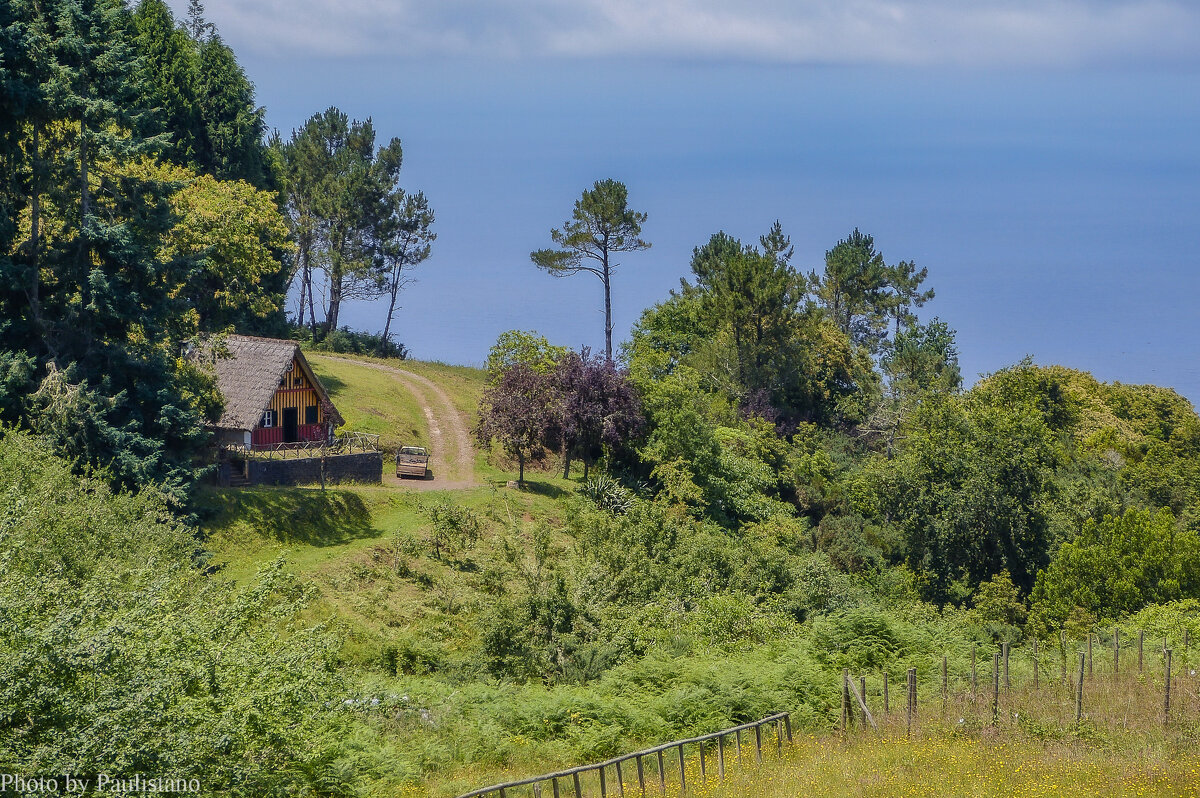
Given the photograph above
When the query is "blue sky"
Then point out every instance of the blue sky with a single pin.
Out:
(1042, 160)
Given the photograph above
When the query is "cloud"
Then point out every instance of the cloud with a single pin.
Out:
(948, 32)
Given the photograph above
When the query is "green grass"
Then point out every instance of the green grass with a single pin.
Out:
(366, 551)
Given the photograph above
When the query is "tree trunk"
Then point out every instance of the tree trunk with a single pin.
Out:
(607, 312)
(566, 462)
(312, 301)
(387, 326)
(302, 254)
(335, 302)
(521, 471)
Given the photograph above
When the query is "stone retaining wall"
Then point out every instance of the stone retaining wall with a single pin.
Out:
(361, 467)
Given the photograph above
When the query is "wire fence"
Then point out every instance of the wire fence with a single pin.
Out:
(1065, 688)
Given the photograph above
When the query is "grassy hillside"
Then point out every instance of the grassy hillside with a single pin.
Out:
(559, 632)
(376, 402)
(956, 765)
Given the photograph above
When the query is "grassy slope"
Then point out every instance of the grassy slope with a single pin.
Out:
(344, 540)
(959, 766)
(365, 551)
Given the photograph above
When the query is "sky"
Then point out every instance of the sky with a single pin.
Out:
(1040, 157)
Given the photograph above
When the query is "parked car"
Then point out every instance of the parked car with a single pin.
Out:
(412, 461)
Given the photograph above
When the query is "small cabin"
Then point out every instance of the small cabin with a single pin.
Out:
(271, 395)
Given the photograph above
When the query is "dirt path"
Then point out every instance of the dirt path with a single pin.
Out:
(453, 459)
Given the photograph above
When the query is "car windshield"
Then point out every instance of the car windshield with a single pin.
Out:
(412, 450)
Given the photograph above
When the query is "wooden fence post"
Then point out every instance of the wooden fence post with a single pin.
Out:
(554, 786)
(886, 708)
(787, 726)
(1167, 687)
(758, 737)
(1004, 650)
(862, 684)
(641, 769)
(778, 738)
(1079, 691)
(721, 757)
(662, 773)
(1141, 641)
(912, 697)
(845, 699)
(738, 737)
(703, 769)
(995, 688)
(578, 789)
(603, 783)
(537, 789)
(620, 780)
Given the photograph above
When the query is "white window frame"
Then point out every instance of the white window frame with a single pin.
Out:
(268, 419)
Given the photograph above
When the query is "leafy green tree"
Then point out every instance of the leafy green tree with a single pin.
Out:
(861, 292)
(970, 493)
(121, 656)
(94, 308)
(906, 280)
(1116, 567)
(920, 360)
(338, 190)
(521, 347)
(601, 225)
(166, 82)
(853, 289)
(231, 146)
(755, 296)
(225, 243)
(197, 26)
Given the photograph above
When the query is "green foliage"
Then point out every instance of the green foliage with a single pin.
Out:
(607, 493)
(351, 342)
(455, 528)
(1116, 567)
(528, 348)
(970, 493)
(121, 656)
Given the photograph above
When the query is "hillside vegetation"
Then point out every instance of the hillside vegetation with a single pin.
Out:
(541, 628)
(778, 476)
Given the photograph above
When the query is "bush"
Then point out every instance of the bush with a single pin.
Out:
(118, 655)
(352, 342)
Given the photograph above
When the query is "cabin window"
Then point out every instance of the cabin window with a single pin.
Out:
(268, 419)
(298, 381)
(310, 414)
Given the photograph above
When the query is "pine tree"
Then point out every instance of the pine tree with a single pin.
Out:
(232, 145)
(166, 81)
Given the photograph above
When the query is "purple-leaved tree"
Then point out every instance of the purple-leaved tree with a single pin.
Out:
(520, 412)
(598, 408)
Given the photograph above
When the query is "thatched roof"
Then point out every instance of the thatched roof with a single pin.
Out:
(249, 370)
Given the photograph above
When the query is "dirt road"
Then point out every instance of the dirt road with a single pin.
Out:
(453, 458)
